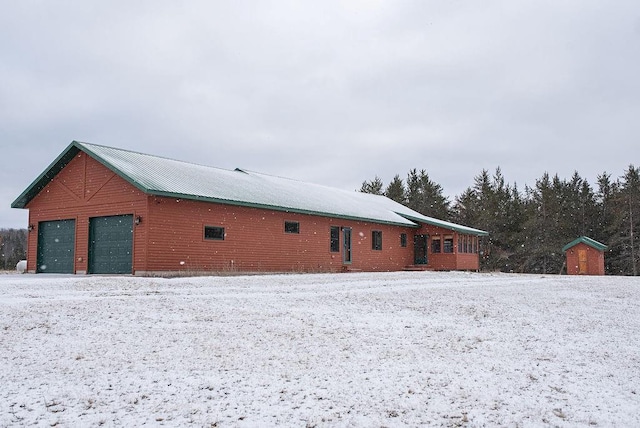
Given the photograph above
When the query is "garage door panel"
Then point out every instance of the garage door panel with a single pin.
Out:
(56, 246)
(111, 244)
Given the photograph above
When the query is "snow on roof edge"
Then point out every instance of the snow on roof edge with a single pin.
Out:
(311, 198)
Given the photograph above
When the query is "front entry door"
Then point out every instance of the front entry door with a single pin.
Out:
(582, 262)
(420, 249)
(346, 245)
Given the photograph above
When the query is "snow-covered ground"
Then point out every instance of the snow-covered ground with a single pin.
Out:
(369, 349)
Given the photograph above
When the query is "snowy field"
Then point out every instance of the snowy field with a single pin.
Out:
(335, 350)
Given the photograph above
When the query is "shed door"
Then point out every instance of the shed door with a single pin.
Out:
(111, 244)
(582, 262)
(56, 243)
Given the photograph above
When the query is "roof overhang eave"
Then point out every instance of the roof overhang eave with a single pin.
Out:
(45, 178)
(587, 241)
(447, 225)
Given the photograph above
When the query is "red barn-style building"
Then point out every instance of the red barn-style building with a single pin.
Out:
(585, 256)
(103, 210)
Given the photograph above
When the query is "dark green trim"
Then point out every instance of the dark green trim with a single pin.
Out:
(447, 225)
(113, 168)
(45, 178)
(149, 191)
(272, 207)
(585, 240)
(75, 147)
(69, 153)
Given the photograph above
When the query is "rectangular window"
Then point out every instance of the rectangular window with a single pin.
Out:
(403, 239)
(213, 232)
(463, 244)
(376, 240)
(435, 245)
(291, 227)
(335, 239)
(447, 247)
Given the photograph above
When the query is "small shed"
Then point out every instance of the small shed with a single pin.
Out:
(585, 256)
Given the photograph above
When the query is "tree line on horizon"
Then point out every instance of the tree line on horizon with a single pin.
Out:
(528, 228)
(13, 247)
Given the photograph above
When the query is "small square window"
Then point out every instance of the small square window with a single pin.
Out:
(403, 239)
(213, 232)
(291, 227)
(376, 240)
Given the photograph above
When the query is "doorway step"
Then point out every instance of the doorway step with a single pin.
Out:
(417, 268)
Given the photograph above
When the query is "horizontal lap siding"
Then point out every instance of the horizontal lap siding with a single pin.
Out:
(595, 260)
(468, 261)
(170, 236)
(443, 261)
(448, 261)
(255, 240)
(85, 189)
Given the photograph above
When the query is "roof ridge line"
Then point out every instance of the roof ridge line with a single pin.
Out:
(85, 144)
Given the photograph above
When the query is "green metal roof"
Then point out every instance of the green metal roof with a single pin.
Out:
(171, 178)
(585, 240)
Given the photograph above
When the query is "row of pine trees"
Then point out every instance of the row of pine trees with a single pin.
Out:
(528, 228)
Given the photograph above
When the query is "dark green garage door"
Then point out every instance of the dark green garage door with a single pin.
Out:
(56, 242)
(111, 244)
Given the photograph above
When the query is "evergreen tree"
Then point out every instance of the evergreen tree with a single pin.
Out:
(395, 190)
(542, 243)
(604, 226)
(425, 196)
(374, 186)
(625, 242)
(413, 193)
(465, 208)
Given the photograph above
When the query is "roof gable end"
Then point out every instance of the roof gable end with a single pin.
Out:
(587, 241)
(49, 173)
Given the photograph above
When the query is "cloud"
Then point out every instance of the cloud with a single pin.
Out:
(330, 92)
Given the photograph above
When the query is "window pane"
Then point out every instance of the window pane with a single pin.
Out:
(291, 227)
(216, 233)
(335, 239)
(435, 245)
(448, 245)
(376, 240)
(403, 239)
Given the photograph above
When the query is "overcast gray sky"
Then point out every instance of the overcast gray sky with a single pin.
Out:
(330, 92)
